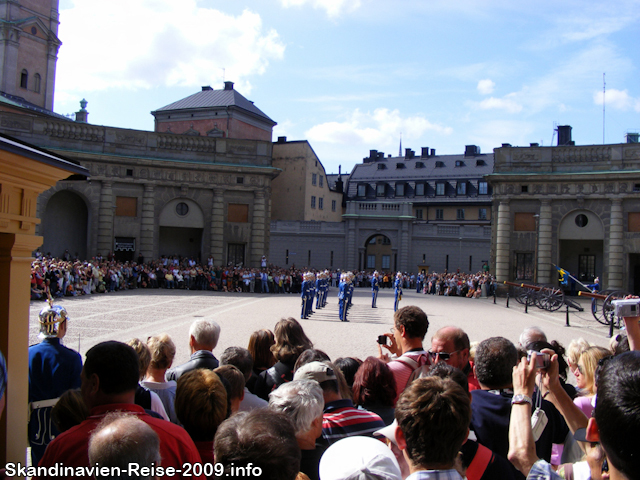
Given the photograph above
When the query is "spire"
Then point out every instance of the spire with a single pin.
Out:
(400, 149)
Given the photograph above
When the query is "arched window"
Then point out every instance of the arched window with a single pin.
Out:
(24, 79)
(36, 83)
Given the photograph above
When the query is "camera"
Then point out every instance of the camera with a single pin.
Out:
(627, 308)
(542, 359)
(382, 339)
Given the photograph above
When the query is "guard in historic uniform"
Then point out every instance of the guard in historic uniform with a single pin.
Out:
(53, 369)
(398, 291)
(319, 280)
(342, 297)
(374, 288)
(304, 294)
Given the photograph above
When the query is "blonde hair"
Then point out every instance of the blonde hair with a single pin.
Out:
(589, 359)
(144, 355)
(575, 349)
(162, 349)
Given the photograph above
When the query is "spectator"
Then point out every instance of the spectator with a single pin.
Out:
(261, 442)
(374, 388)
(348, 366)
(147, 399)
(241, 359)
(201, 406)
(451, 345)
(302, 401)
(259, 347)
(359, 458)
(585, 373)
(109, 380)
(162, 350)
(121, 440)
(203, 338)
(69, 411)
(235, 391)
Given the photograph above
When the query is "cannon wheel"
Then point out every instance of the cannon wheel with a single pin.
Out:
(526, 296)
(551, 299)
(607, 307)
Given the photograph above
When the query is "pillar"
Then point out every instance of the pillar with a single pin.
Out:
(147, 224)
(503, 241)
(217, 227)
(105, 219)
(616, 248)
(403, 261)
(545, 241)
(15, 294)
(258, 228)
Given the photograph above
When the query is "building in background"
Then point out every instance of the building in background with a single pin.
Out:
(574, 206)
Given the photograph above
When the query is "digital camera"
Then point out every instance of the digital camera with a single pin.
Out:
(542, 359)
(627, 308)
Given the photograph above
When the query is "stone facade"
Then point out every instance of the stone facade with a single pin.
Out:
(153, 193)
(574, 206)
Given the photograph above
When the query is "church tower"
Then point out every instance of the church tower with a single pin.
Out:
(29, 49)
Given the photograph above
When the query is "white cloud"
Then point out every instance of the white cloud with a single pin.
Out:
(507, 104)
(487, 86)
(382, 128)
(143, 43)
(333, 8)
(618, 99)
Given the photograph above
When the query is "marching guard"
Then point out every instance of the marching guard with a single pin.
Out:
(374, 289)
(398, 291)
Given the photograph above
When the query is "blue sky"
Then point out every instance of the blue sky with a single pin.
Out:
(354, 75)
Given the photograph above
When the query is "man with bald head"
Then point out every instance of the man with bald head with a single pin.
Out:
(451, 345)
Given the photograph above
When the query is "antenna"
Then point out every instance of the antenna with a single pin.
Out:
(400, 149)
(604, 89)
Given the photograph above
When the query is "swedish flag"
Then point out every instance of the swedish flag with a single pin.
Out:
(563, 275)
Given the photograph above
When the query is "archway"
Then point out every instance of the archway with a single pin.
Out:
(65, 225)
(581, 242)
(181, 225)
(378, 253)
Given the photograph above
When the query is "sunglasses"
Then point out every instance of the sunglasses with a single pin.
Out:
(443, 355)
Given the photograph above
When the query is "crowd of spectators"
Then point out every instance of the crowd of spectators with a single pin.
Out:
(283, 409)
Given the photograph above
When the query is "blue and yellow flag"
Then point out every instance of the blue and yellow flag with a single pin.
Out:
(563, 275)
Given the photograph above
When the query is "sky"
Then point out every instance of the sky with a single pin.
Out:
(350, 76)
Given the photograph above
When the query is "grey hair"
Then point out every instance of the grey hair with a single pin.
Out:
(301, 400)
(530, 335)
(205, 332)
(122, 439)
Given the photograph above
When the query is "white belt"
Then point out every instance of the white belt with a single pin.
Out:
(44, 403)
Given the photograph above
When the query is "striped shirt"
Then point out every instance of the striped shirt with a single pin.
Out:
(341, 419)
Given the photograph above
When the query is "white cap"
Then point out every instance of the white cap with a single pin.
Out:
(359, 458)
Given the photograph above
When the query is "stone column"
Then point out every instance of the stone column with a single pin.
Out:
(258, 228)
(503, 241)
(616, 248)
(351, 246)
(545, 241)
(217, 227)
(403, 261)
(147, 223)
(105, 219)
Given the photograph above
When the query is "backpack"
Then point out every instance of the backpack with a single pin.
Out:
(418, 368)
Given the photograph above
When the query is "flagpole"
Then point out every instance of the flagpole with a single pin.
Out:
(574, 278)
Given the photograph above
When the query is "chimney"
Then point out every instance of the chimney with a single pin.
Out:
(564, 135)
(206, 88)
(633, 138)
(471, 150)
(282, 139)
(228, 85)
(408, 153)
(82, 115)
(425, 152)
(433, 152)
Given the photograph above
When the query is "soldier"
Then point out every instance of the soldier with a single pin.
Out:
(398, 291)
(304, 292)
(374, 288)
(342, 297)
(350, 284)
(53, 369)
(319, 287)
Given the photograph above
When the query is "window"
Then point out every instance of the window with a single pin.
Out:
(386, 262)
(633, 222)
(419, 189)
(399, 165)
(182, 209)
(586, 268)
(36, 83)
(321, 181)
(460, 215)
(483, 188)
(461, 188)
(362, 190)
(381, 166)
(24, 79)
(238, 212)
(419, 165)
(313, 201)
(127, 206)
(333, 205)
(439, 214)
(419, 214)
(380, 189)
(524, 222)
(524, 188)
(399, 189)
(239, 180)
(371, 261)
(235, 254)
(439, 164)
(482, 214)
(331, 261)
(459, 163)
(314, 178)
(440, 188)
(524, 266)
(321, 203)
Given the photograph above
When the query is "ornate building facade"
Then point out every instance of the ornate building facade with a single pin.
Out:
(574, 206)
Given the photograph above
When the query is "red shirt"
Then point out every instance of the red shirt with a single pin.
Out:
(71, 448)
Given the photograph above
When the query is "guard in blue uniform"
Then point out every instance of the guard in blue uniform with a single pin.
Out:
(304, 289)
(311, 293)
(351, 286)
(398, 291)
(319, 291)
(342, 298)
(374, 289)
(53, 369)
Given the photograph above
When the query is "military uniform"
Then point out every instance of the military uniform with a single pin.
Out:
(374, 289)
(398, 291)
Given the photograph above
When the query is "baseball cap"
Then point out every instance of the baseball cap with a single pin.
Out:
(318, 371)
(359, 458)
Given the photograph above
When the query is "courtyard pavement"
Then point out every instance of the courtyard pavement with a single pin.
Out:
(141, 313)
